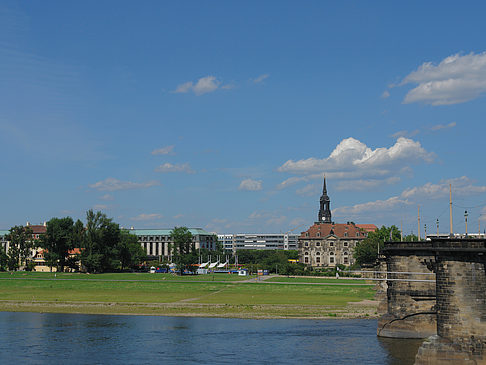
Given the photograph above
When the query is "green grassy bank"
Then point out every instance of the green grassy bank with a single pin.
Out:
(165, 294)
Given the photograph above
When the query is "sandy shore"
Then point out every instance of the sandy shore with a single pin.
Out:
(363, 309)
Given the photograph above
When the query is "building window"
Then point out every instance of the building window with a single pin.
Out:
(306, 253)
(307, 234)
(318, 244)
(318, 253)
(345, 234)
(346, 260)
(306, 244)
(318, 260)
(345, 244)
(331, 244)
(306, 260)
(357, 234)
(318, 234)
(331, 260)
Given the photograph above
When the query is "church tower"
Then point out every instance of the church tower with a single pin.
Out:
(325, 206)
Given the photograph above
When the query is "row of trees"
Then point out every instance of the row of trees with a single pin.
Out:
(20, 239)
(102, 245)
(366, 251)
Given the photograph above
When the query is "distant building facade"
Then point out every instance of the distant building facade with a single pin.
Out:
(157, 242)
(327, 244)
(259, 241)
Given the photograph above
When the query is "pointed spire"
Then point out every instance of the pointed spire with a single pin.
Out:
(324, 189)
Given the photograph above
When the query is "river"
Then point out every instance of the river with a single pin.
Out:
(37, 338)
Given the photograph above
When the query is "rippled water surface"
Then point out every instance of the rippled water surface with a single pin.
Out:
(37, 338)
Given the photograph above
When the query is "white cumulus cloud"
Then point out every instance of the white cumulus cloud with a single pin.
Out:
(353, 159)
(456, 79)
(168, 167)
(112, 184)
(250, 185)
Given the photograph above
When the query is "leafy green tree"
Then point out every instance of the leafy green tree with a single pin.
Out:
(21, 243)
(3, 258)
(100, 241)
(130, 253)
(366, 251)
(57, 241)
(183, 249)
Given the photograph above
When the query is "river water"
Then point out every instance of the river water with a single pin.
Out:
(36, 338)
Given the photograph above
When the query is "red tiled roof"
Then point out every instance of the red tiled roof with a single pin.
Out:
(337, 229)
(37, 229)
(367, 227)
(74, 251)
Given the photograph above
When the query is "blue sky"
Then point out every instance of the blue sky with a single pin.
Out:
(225, 115)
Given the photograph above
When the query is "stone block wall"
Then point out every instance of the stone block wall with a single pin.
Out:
(410, 304)
(461, 305)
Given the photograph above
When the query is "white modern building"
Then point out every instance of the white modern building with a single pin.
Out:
(259, 241)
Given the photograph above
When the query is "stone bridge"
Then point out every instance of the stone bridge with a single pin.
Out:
(437, 290)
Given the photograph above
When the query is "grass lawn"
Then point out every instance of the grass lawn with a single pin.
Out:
(142, 294)
(125, 276)
(298, 279)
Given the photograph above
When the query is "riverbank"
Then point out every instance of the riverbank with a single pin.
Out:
(135, 294)
(364, 309)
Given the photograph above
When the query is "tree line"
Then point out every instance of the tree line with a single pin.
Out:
(102, 245)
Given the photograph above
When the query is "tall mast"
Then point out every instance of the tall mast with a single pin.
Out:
(418, 221)
(450, 207)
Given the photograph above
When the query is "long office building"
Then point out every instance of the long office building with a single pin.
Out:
(259, 241)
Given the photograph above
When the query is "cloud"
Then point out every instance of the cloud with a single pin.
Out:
(184, 88)
(293, 180)
(202, 86)
(385, 95)
(100, 207)
(373, 206)
(107, 197)
(438, 127)
(308, 190)
(353, 159)
(456, 79)
(146, 217)
(405, 133)
(250, 185)
(112, 184)
(168, 150)
(434, 128)
(228, 86)
(260, 78)
(168, 167)
(365, 184)
(461, 186)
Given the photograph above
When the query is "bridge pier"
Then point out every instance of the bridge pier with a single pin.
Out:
(461, 304)
(410, 299)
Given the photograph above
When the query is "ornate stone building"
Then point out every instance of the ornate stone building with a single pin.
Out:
(325, 243)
